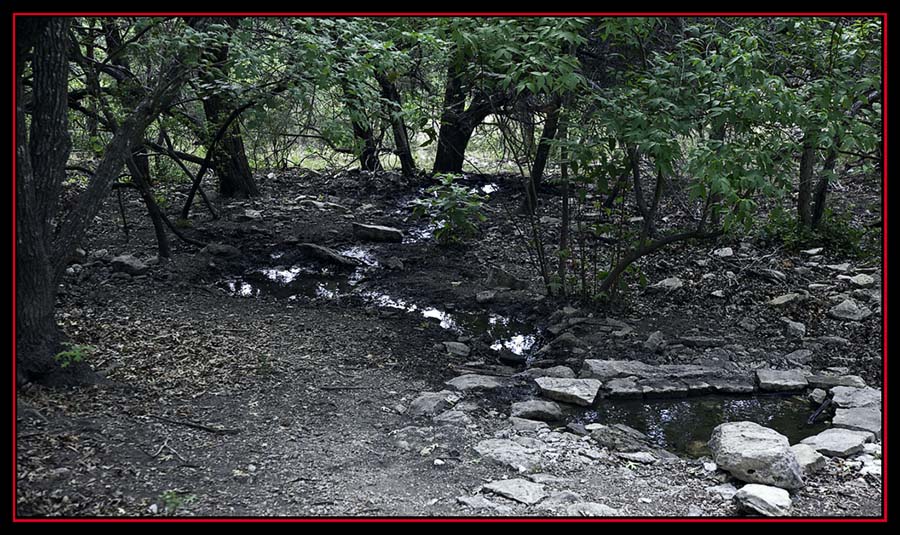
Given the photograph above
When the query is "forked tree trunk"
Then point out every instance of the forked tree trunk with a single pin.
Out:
(457, 123)
(398, 127)
(551, 124)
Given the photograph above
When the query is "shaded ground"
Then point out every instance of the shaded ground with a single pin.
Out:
(301, 401)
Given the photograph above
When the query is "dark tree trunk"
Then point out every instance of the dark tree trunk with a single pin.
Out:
(804, 195)
(457, 123)
(229, 158)
(401, 139)
(139, 167)
(551, 124)
(821, 191)
(368, 158)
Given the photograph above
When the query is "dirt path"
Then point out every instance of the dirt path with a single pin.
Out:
(302, 404)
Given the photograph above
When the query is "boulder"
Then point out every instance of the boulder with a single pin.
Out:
(756, 454)
(764, 500)
(781, 380)
(656, 342)
(457, 348)
(377, 233)
(537, 410)
(578, 391)
(520, 490)
(128, 264)
(838, 442)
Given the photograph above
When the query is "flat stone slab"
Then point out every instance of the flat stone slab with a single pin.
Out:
(866, 419)
(701, 341)
(862, 280)
(762, 499)
(524, 424)
(555, 371)
(732, 385)
(848, 397)
(829, 381)
(624, 387)
(756, 454)
(327, 255)
(610, 369)
(453, 418)
(474, 381)
(127, 263)
(781, 380)
(784, 299)
(838, 442)
(809, 459)
(663, 388)
(509, 453)
(638, 457)
(431, 403)
(537, 410)
(457, 348)
(578, 391)
(480, 502)
(520, 490)
(377, 233)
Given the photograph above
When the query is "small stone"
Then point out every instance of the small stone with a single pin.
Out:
(849, 310)
(813, 252)
(638, 457)
(564, 372)
(128, 264)
(765, 500)
(725, 491)
(509, 453)
(838, 442)
(537, 410)
(843, 268)
(153, 509)
(221, 250)
(780, 380)
(818, 396)
(485, 296)
(668, 285)
(592, 509)
(656, 342)
(480, 502)
(710, 467)
(625, 387)
(453, 417)
(431, 403)
(377, 233)
(784, 299)
(523, 424)
(794, 329)
(862, 280)
(250, 215)
(458, 349)
(439, 462)
(520, 490)
(809, 459)
(800, 357)
(724, 252)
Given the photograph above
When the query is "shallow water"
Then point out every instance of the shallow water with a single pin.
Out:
(684, 425)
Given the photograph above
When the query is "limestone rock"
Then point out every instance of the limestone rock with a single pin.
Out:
(520, 490)
(537, 410)
(590, 509)
(578, 391)
(128, 264)
(756, 454)
(457, 348)
(848, 397)
(431, 403)
(377, 233)
(765, 500)
(781, 380)
(474, 381)
(849, 310)
(838, 442)
(509, 453)
(866, 419)
(809, 459)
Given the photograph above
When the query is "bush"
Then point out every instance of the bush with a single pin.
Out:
(454, 209)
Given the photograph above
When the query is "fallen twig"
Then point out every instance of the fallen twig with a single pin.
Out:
(218, 431)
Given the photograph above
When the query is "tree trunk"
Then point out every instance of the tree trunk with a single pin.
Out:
(401, 139)
(821, 192)
(139, 168)
(368, 158)
(529, 204)
(804, 195)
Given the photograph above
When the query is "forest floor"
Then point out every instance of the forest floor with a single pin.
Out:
(263, 384)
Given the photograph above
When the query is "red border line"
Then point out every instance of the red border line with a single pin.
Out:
(882, 15)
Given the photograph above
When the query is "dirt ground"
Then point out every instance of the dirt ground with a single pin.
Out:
(218, 404)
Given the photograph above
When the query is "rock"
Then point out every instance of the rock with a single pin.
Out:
(590, 509)
(578, 391)
(393, 263)
(431, 403)
(794, 329)
(625, 387)
(809, 459)
(701, 341)
(784, 299)
(724, 252)
(509, 453)
(663, 388)
(843, 268)
(781, 380)
(849, 310)
(838, 442)
(249, 215)
(100, 254)
(522, 424)
(221, 250)
(765, 500)
(377, 233)
(862, 280)
(537, 410)
(520, 490)
(561, 498)
(638, 457)
(566, 341)
(480, 502)
(732, 385)
(818, 396)
(618, 437)
(453, 418)
(866, 419)
(848, 397)
(457, 348)
(327, 255)
(656, 342)
(667, 285)
(724, 491)
(609, 369)
(475, 382)
(756, 454)
(830, 381)
(497, 278)
(799, 357)
(564, 372)
(813, 252)
(128, 264)
(485, 296)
